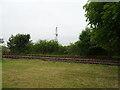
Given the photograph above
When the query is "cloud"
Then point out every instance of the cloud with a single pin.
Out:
(65, 1)
(40, 19)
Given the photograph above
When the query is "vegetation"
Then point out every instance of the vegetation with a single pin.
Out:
(25, 73)
(100, 39)
(44, 46)
(86, 46)
(1, 40)
(0, 75)
(104, 19)
(19, 43)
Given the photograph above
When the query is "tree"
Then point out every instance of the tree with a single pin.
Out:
(104, 19)
(18, 43)
(1, 41)
(5, 50)
(44, 46)
(62, 49)
(84, 43)
(73, 49)
(53, 46)
(86, 46)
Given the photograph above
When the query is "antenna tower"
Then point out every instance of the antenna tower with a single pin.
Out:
(56, 34)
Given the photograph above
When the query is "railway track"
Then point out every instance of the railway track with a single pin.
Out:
(76, 59)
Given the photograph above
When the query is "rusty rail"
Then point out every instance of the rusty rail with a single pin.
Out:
(77, 59)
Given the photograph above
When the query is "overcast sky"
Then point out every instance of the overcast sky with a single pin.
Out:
(39, 18)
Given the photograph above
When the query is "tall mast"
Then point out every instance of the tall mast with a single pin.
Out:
(56, 34)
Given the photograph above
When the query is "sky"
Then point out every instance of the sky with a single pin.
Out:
(39, 18)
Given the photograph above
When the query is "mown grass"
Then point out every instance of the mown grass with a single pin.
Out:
(26, 73)
(0, 75)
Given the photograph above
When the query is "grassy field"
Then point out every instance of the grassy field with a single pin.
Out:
(0, 75)
(35, 73)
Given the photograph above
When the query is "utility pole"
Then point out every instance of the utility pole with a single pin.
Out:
(56, 34)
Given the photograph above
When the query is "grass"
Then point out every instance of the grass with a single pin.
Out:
(26, 73)
(116, 57)
(0, 75)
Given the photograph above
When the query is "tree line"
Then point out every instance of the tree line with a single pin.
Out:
(101, 38)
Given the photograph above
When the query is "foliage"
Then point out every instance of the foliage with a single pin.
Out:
(101, 38)
(86, 46)
(73, 49)
(1, 40)
(5, 50)
(104, 19)
(44, 46)
(18, 43)
(62, 49)
(84, 43)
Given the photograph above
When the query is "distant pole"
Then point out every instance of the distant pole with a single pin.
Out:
(56, 34)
